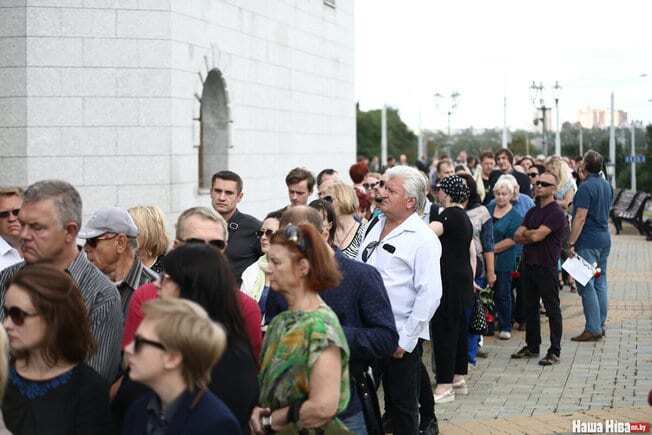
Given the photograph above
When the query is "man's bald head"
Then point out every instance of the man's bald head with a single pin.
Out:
(300, 214)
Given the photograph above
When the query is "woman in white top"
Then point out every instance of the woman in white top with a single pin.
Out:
(255, 280)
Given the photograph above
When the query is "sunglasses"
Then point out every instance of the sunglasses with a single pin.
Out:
(5, 214)
(543, 184)
(293, 234)
(370, 185)
(268, 233)
(17, 315)
(139, 342)
(368, 250)
(216, 243)
(92, 242)
(533, 174)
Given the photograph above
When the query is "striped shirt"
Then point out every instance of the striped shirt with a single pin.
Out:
(103, 305)
(138, 275)
(351, 251)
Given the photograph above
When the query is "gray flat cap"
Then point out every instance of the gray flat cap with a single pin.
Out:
(109, 220)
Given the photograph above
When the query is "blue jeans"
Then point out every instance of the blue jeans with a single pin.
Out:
(503, 300)
(594, 294)
(356, 424)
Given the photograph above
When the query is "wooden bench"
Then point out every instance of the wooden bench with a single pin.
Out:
(629, 207)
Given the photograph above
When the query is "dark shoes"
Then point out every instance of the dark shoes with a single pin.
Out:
(549, 360)
(431, 429)
(524, 353)
(587, 336)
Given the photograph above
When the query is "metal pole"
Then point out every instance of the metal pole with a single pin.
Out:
(557, 133)
(505, 122)
(611, 169)
(633, 156)
(383, 136)
(581, 143)
(545, 133)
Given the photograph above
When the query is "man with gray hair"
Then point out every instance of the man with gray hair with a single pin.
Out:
(111, 245)
(51, 217)
(406, 253)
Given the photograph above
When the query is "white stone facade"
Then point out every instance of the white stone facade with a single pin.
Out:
(105, 94)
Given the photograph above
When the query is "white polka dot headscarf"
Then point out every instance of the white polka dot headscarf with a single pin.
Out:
(455, 187)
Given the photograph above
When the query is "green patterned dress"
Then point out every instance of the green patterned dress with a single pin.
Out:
(293, 343)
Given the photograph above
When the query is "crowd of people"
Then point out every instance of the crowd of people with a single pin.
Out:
(242, 326)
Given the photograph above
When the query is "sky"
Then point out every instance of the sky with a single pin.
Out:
(406, 51)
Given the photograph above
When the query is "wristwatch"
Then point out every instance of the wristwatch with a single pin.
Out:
(266, 423)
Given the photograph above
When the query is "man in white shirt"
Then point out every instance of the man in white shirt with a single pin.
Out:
(406, 253)
(10, 202)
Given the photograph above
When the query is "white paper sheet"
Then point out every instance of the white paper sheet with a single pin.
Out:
(579, 268)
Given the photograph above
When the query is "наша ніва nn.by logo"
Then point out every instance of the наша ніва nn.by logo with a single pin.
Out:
(609, 426)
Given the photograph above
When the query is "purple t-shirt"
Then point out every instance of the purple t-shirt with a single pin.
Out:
(546, 252)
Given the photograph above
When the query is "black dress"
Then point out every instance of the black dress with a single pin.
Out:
(448, 327)
(73, 403)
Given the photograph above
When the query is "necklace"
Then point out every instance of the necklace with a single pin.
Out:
(341, 241)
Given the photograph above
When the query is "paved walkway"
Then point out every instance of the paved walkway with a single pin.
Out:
(609, 379)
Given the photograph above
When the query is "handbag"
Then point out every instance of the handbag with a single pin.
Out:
(478, 322)
(365, 386)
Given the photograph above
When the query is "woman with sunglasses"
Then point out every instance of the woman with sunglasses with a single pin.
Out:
(173, 351)
(255, 281)
(51, 390)
(304, 368)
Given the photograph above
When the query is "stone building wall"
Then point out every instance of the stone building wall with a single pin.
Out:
(106, 94)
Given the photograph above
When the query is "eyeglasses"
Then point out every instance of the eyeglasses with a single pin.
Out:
(327, 198)
(368, 250)
(17, 315)
(381, 183)
(543, 184)
(369, 186)
(268, 233)
(216, 243)
(139, 342)
(293, 234)
(92, 242)
(533, 174)
(5, 214)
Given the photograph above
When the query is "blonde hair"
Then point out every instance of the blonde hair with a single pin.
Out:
(374, 175)
(151, 229)
(204, 213)
(183, 326)
(509, 183)
(345, 200)
(560, 169)
(4, 361)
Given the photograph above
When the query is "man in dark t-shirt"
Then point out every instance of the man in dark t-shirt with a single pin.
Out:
(243, 248)
(505, 162)
(541, 234)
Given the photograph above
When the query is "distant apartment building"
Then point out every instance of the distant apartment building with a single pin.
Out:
(600, 118)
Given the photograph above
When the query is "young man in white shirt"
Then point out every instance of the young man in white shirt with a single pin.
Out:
(11, 201)
(406, 253)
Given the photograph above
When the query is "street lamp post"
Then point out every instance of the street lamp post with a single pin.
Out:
(556, 90)
(537, 98)
(633, 157)
(452, 105)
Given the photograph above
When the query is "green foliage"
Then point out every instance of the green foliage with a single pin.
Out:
(400, 139)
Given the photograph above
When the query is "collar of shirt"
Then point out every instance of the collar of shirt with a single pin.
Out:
(5, 247)
(164, 416)
(133, 276)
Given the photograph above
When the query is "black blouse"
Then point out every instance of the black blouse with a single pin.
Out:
(74, 403)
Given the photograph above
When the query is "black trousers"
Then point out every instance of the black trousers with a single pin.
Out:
(449, 332)
(542, 283)
(426, 399)
(401, 382)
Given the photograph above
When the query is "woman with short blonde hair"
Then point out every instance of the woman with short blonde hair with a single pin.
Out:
(173, 352)
(566, 186)
(153, 241)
